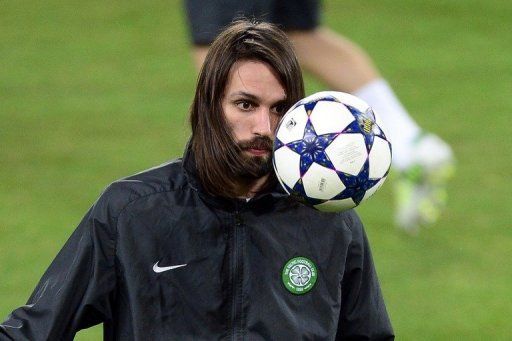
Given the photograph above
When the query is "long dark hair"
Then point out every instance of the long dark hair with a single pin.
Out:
(217, 155)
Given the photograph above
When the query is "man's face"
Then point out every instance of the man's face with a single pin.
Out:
(252, 104)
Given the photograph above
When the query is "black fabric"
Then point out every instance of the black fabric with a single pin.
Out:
(231, 286)
(207, 19)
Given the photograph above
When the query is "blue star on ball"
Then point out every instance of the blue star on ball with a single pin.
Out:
(312, 148)
(356, 186)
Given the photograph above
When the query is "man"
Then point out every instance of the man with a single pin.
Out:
(423, 161)
(206, 247)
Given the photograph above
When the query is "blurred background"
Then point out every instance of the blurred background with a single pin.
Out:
(91, 91)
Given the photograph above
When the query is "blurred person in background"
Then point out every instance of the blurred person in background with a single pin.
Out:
(423, 162)
(208, 246)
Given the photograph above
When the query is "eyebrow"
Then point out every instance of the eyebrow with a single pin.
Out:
(244, 94)
(251, 96)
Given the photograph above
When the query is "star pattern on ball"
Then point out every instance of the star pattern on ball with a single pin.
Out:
(356, 186)
(312, 148)
(307, 172)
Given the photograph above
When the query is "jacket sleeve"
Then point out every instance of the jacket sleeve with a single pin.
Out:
(77, 289)
(363, 313)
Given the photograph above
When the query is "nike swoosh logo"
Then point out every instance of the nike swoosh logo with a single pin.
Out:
(158, 269)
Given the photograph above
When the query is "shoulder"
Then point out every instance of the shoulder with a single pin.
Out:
(119, 194)
(352, 220)
(350, 223)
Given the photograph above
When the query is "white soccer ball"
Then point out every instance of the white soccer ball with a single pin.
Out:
(330, 151)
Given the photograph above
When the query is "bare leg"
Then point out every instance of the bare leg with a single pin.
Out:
(338, 62)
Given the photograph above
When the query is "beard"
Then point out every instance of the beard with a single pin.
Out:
(255, 167)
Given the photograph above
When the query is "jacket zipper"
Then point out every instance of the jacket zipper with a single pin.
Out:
(237, 278)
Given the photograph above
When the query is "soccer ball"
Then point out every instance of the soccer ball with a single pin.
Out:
(330, 151)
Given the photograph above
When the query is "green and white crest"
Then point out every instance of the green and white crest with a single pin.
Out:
(299, 275)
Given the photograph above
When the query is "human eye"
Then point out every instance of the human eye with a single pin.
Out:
(279, 109)
(244, 105)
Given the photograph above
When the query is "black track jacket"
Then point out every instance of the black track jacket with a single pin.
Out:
(156, 258)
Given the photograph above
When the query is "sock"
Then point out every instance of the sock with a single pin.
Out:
(398, 126)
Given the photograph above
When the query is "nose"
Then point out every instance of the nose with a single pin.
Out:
(262, 124)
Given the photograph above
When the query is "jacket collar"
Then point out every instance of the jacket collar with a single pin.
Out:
(263, 199)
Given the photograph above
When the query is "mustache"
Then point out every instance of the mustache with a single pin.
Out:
(259, 142)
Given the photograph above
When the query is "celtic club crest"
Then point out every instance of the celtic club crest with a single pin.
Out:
(299, 275)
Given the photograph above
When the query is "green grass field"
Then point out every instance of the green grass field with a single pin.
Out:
(93, 91)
